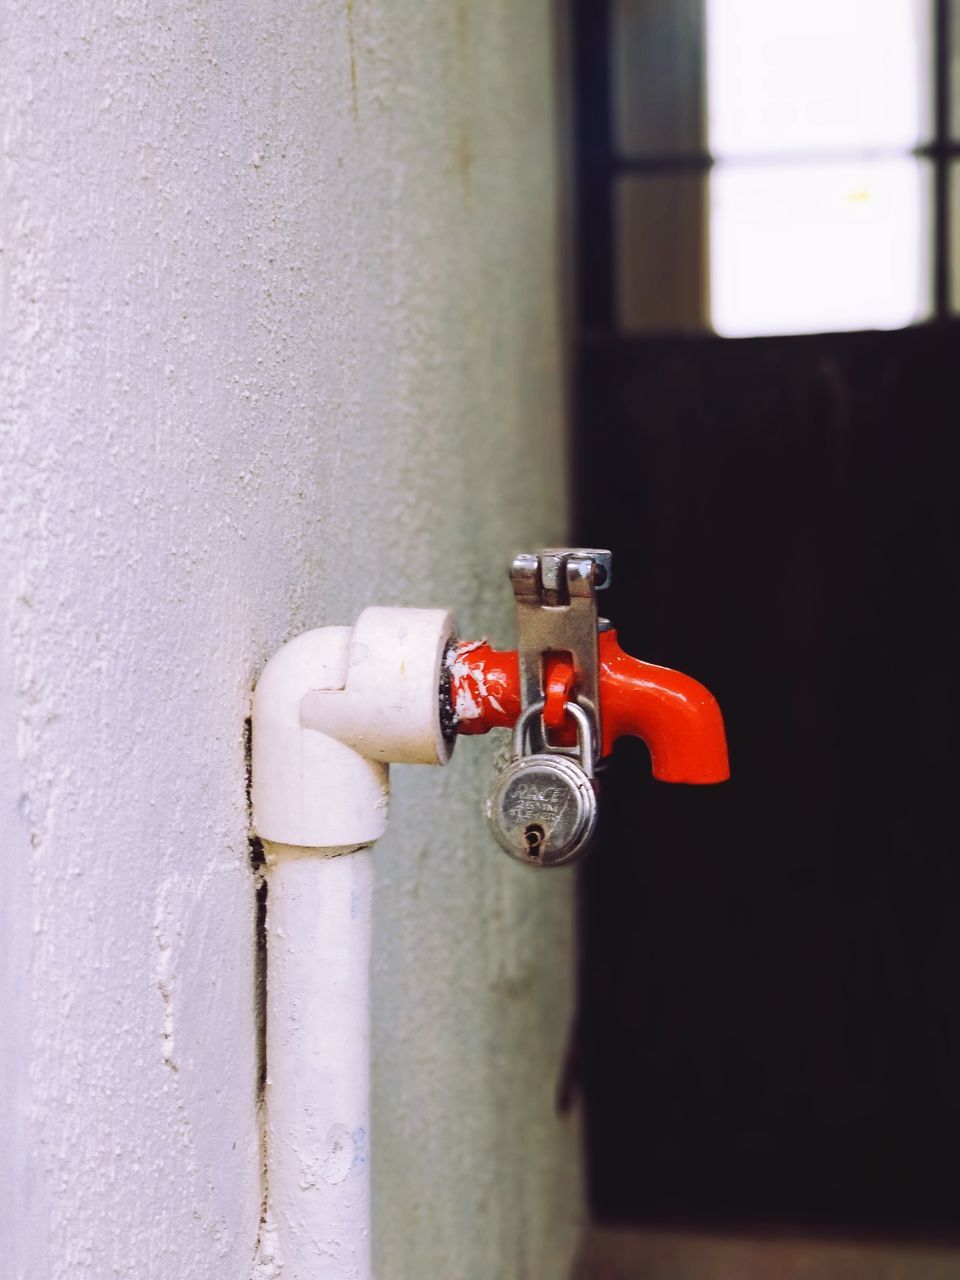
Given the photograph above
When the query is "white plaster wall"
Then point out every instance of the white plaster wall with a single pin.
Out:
(281, 340)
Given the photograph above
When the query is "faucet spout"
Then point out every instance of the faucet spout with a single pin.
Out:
(676, 716)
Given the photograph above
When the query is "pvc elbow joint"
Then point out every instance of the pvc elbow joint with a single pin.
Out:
(332, 710)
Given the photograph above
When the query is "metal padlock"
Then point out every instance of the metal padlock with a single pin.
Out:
(543, 809)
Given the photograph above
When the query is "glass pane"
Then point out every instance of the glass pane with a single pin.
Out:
(658, 75)
(662, 253)
(954, 238)
(809, 248)
(818, 75)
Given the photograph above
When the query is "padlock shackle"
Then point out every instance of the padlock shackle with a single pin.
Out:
(586, 740)
(676, 716)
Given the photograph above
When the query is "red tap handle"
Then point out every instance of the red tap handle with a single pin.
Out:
(675, 715)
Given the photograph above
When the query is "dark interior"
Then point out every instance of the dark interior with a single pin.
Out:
(769, 1026)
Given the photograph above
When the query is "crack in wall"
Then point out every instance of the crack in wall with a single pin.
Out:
(266, 1264)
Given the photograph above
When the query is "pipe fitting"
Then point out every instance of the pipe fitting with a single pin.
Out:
(331, 710)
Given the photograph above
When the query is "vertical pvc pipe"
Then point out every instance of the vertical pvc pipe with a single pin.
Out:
(318, 1073)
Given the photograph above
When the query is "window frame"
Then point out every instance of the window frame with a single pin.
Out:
(600, 164)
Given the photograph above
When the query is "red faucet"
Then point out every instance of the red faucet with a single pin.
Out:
(676, 716)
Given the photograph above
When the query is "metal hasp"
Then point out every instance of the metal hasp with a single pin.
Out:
(555, 591)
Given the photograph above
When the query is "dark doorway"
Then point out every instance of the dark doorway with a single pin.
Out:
(770, 969)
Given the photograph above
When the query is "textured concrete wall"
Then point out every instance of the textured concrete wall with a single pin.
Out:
(281, 340)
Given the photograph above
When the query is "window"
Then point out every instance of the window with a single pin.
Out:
(775, 168)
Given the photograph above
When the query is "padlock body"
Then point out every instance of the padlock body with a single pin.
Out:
(543, 810)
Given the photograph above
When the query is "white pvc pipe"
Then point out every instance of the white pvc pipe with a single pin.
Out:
(318, 1034)
(331, 711)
